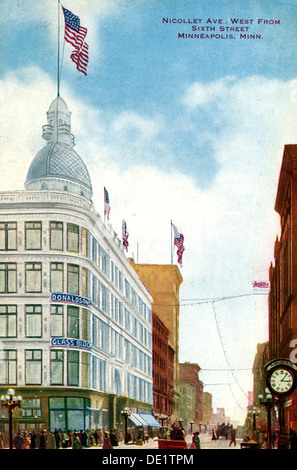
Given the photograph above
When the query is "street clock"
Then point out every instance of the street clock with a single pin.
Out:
(281, 377)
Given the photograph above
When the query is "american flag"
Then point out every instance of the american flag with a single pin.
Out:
(179, 243)
(106, 204)
(125, 235)
(75, 35)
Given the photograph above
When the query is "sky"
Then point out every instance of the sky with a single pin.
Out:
(181, 129)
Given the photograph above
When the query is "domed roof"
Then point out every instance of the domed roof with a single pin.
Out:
(60, 161)
(57, 165)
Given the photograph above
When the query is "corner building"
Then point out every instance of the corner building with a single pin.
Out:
(283, 275)
(75, 319)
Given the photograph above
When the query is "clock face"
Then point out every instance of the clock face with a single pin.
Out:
(281, 381)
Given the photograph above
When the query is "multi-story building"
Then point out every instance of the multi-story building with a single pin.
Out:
(283, 274)
(75, 319)
(162, 369)
(163, 282)
(189, 373)
(187, 403)
(207, 408)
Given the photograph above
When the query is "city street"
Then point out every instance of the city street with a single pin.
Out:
(205, 439)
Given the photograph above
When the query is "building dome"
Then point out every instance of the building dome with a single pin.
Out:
(57, 166)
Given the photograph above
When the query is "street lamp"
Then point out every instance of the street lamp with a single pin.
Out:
(254, 412)
(192, 424)
(268, 405)
(126, 413)
(10, 402)
(162, 418)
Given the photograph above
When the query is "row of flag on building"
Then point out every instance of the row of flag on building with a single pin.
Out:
(178, 239)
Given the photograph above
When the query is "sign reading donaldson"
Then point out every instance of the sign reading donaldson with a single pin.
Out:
(72, 299)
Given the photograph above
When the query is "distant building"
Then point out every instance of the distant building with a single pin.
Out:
(189, 373)
(219, 417)
(206, 408)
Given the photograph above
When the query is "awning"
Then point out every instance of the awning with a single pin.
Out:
(136, 419)
(151, 421)
(143, 420)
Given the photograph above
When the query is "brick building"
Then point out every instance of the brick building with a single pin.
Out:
(283, 273)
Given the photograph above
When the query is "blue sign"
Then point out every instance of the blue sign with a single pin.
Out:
(71, 298)
(71, 343)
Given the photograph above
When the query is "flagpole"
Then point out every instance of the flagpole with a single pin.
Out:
(171, 244)
(58, 71)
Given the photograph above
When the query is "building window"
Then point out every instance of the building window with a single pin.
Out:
(8, 278)
(56, 236)
(73, 279)
(33, 321)
(73, 238)
(33, 367)
(72, 322)
(31, 408)
(84, 282)
(8, 321)
(57, 277)
(73, 368)
(57, 320)
(33, 277)
(33, 238)
(8, 369)
(84, 242)
(57, 367)
(8, 236)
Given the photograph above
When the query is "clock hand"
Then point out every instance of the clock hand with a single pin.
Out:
(283, 379)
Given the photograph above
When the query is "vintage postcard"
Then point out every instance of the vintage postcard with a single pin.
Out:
(147, 215)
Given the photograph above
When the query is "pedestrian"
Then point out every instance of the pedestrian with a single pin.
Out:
(195, 444)
(1, 441)
(85, 439)
(106, 442)
(58, 439)
(95, 434)
(76, 442)
(18, 441)
(33, 440)
(26, 440)
(233, 436)
(51, 441)
(43, 440)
